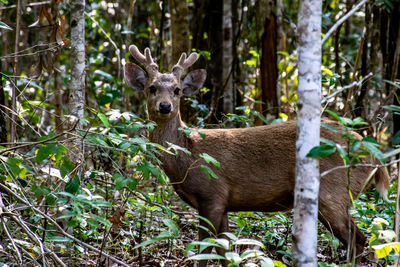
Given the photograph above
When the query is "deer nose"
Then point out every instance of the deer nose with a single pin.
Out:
(165, 108)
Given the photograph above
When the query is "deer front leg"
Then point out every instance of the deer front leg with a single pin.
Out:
(218, 217)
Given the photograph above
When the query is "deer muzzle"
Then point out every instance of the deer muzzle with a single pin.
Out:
(164, 108)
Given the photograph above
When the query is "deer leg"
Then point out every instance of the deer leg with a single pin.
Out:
(343, 227)
(223, 227)
(217, 216)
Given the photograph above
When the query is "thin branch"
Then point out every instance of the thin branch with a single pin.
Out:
(30, 4)
(353, 84)
(60, 229)
(50, 47)
(39, 142)
(19, 259)
(117, 51)
(358, 165)
(342, 19)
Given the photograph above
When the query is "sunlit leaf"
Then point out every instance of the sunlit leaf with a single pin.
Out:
(384, 249)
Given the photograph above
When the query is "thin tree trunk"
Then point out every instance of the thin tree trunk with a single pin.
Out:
(229, 96)
(77, 84)
(308, 124)
(13, 131)
(3, 126)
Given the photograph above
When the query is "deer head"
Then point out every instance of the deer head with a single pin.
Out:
(163, 90)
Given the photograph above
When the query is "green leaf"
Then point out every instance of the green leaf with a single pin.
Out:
(321, 151)
(13, 165)
(372, 146)
(66, 167)
(44, 152)
(391, 153)
(355, 145)
(100, 219)
(177, 148)
(104, 74)
(58, 239)
(161, 236)
(5, 26)
(73, 185)
(103, 119)
(131, 183)
(50, 199)
(392, 108)
(173, 228)
(233, 258)
(200, 257)
(343, 153)
(251, 242)
(396, 138)
(208, 172)
(224, 243)
(209, 159)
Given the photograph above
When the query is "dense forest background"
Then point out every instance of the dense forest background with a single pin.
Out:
(91, 191)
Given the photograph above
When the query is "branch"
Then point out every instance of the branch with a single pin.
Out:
(30, 4)
(359, 165)
(39, 142)
(117, 51)
(60, 229)
(353, 84)
(343, 19)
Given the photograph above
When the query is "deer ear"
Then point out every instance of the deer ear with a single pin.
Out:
(135, 77)
(193, 82)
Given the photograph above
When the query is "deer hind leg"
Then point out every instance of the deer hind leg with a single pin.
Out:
(218, 217)
(336, 219)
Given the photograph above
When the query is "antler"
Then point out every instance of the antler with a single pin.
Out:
(146, 59)
(183, 64)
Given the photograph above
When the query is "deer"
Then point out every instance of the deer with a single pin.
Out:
(257, 164)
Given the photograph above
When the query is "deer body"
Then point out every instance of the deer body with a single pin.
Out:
(257, 171)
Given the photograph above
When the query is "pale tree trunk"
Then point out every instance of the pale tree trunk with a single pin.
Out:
(308, 124)
(179, 28)
(77, 84)
(229, 96)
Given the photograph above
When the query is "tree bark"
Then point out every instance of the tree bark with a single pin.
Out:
(268, 62)
(78, 74)
(227, 58)
(3, 125)
(13, 131)
(77, 85)
(308, 124)
(179, 28)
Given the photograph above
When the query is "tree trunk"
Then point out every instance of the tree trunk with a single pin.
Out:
(13, 131)
(77, 84)
(227, 58)
(360, 110)
(308, 124)
(208, 36)
(268, 61)
(180, 41)
(3, 126)
(179, 28)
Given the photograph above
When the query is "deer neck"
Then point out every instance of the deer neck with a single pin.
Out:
(167, 131)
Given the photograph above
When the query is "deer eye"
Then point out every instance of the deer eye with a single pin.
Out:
(176, 91)
(153, 89)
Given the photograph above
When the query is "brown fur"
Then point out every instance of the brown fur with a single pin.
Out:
(257, 170)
